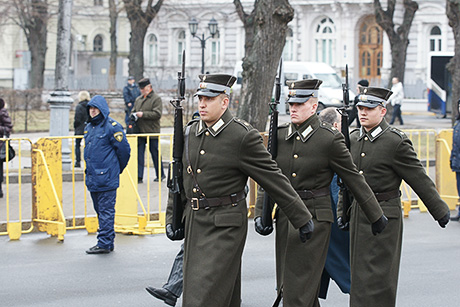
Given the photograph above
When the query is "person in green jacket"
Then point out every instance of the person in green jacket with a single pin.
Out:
(220, 153)
(385, 156)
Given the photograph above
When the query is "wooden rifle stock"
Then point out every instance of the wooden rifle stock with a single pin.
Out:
(175, 183)
(272, 147)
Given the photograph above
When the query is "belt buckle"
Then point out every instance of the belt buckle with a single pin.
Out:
(196, 201)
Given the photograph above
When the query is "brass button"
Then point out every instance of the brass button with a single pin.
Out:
(194, 190)
(298, 138)
(202, 152)
(296, 156)
(198, 170)
(366, 138)
(361, 172)
(207, 133)
(363, 154)
(294, 175)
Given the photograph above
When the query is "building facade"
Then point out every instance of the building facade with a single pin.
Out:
(341, 32)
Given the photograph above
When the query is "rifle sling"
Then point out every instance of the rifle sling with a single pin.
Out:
(187, 156)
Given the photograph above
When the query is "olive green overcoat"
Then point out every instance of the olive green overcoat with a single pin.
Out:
(222, 158)
(152, 108)
(309, 155)
(385, 156)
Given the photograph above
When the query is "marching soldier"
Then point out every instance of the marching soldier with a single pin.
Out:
(220, 152)
(309, 153)
(385, 156)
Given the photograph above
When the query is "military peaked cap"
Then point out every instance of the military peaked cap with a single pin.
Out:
(373, 97)
(363, 82)
(214, 85)
(144, 82)
(302, 90)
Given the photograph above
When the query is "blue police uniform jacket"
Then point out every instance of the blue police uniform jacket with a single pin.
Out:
(455, 153)
(107, 150)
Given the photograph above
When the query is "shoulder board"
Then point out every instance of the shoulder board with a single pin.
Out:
(193, 121)
(243, 123)
(285, 125)
(398, 132)
(328, 127)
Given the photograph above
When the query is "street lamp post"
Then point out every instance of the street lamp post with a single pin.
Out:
(212, 25)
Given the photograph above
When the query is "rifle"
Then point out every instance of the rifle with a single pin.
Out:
(346, 197)
(272, 146)
(174, 182)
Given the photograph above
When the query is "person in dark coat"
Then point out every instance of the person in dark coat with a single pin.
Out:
(80, 120)
(220, 153)
(309, 153)
(5, 129)
(354, 111)
(385, 156)
(130, 92)
(106, 154)
(455, 156)
(337, 266)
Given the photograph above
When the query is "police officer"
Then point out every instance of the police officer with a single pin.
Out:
(385, 156)
(220, 153)
(309, 153)
(106, 155)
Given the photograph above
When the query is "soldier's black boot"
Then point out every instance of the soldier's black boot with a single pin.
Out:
(163, 294)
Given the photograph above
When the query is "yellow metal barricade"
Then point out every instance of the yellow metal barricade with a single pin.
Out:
(445, 178)
(13, 212)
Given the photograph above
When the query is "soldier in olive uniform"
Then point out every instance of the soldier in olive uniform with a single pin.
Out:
(309, 153)
(220, 153)
(385, 156)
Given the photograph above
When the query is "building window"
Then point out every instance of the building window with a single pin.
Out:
(180, 46)
(325, 41)
(152, 50)
(288, 51)
(370, 49)
(98, 43)
(435, 39)
(98, 2)
(215, 49)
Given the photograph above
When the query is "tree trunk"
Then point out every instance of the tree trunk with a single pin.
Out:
(265, 29)
(37, 46)
(399, 39)
(140, 21)
(453, 14)
(113, 13)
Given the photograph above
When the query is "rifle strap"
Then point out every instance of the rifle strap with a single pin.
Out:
(278, 298)
(187, 156)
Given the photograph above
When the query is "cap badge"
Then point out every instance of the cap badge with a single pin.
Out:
(203, 85)
(292, 93)
(363, 97)
(204, 77)
(365, 91)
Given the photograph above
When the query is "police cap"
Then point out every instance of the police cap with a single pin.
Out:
(302, 90)
(144, 82)
(373, 97)
(215, 84)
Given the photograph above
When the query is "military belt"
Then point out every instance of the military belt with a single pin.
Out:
(384, 196)
(308, 194)
(206, 203)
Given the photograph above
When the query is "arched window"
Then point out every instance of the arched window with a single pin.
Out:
(325, 41)
(435, 39)
(288, 51)
(215, 49)
(370, 48)
(98, 43)
(152, 50)
(180, 46)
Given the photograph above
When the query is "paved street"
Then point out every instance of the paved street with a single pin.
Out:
(39, 271)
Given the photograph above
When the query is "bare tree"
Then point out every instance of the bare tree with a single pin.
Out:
(140, 21)
(32, 17)
(453, 14)
(265, 29)
(398, 35)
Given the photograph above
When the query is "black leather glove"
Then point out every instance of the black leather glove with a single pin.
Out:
(379, 225)
(174, 235)
(306, 231)
(444, 220)
(260, 229)
(345, 226)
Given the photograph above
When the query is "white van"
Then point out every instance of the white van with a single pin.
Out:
(330, 91)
